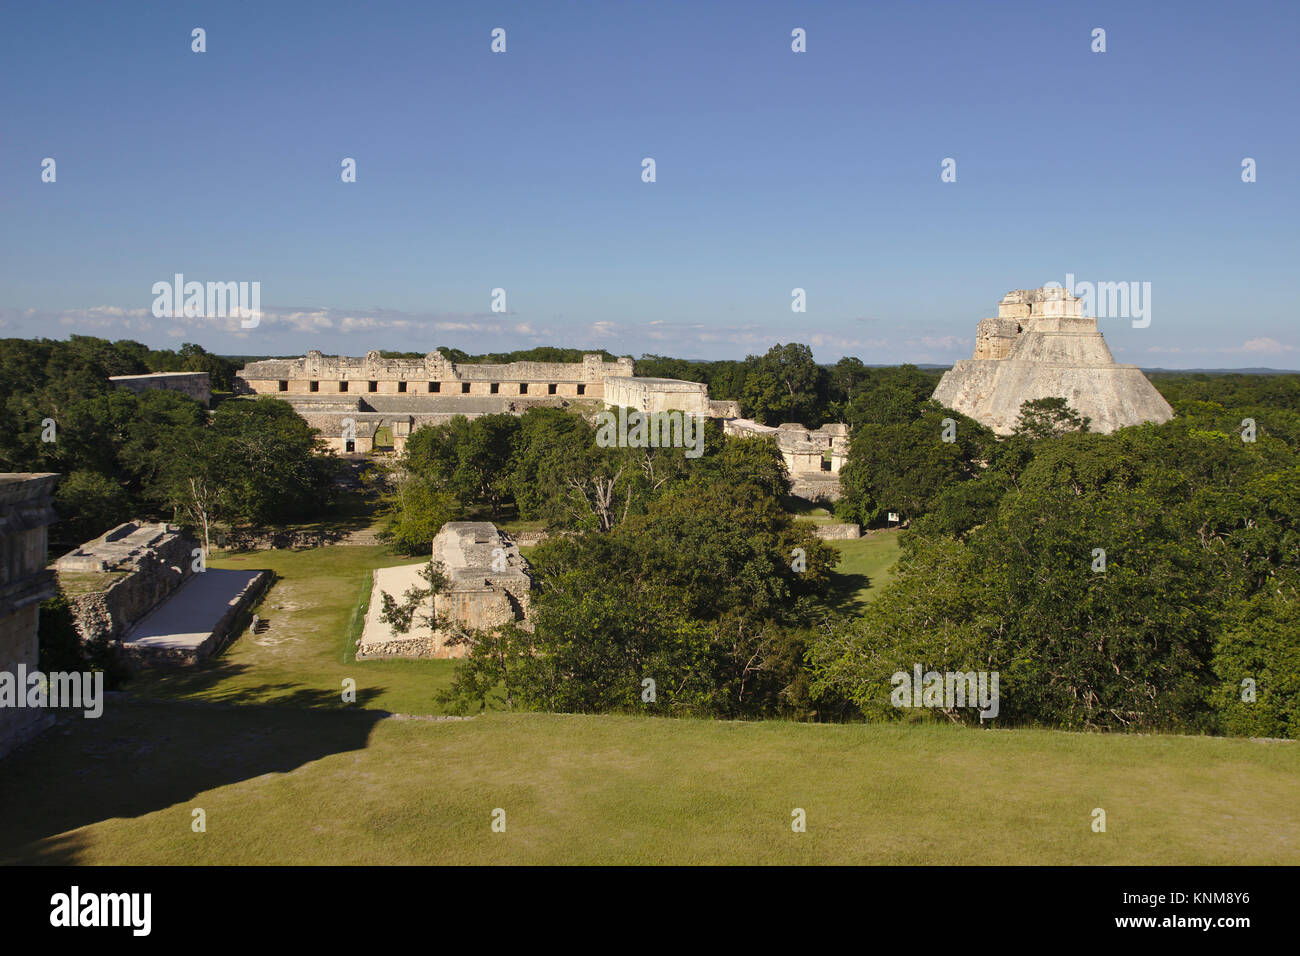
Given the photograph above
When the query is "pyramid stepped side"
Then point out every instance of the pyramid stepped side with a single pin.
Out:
(1053, 356)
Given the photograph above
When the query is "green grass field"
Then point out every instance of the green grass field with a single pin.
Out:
(315, 610)
(261, 741)
(866, 566)
(288, 785)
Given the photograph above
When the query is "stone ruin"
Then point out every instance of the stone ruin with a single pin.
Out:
(26, 511)
(373, 404)
(194, 384)
(488, 582)
(136, 587)
(813, 457)
(114, 580)
(488, 585)
(1040, 345)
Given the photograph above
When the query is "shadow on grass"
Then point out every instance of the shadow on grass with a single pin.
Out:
(216, 681)
(141, 757)
(848, 592)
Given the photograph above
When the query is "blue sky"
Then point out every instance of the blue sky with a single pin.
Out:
(775, 170)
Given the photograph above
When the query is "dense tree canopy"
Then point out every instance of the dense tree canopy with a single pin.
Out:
(158, 454)
(691, 607)
(1147, 578)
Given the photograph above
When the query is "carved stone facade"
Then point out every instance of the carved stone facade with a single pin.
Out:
(371, 404)
(317, 374)
(1040, 345)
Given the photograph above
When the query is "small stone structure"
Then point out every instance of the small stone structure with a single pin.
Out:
(26, 511)
(837, 531)
(488, 585)
(1040, 345)
(487, 579)
(194, 384)
(123, 584)
(116, 579)
(813, 457)
(370, 404)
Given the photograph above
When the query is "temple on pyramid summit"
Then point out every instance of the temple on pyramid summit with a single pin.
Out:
(1042, 346)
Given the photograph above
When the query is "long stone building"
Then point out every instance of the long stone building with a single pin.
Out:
(1040, 345)
(374, 403)
(137, 588)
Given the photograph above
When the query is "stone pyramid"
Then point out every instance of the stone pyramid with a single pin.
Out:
(1042, 346)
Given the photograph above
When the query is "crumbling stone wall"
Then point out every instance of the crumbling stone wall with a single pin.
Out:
(157, 559)
(838, 532)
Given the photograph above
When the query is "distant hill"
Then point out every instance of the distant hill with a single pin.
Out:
(1220, 371)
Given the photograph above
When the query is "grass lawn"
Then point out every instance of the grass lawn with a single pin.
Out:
(294, 785)
(286, 773)
(866, 565)
(315, 609)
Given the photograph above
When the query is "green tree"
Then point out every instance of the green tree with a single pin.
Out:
(1048, 417)
(785, 385)
(414, 512)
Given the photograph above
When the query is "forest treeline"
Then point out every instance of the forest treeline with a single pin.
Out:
(1145, 579)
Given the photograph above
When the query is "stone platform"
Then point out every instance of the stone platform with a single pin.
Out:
(195, 620)
(379, 639)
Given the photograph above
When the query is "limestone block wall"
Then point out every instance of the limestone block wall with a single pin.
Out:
(135, 657)
(316, 373)
(18, 645)
(994, 337)
(823, 487)
(108, 614)
(657, 395)
(838, 532)
(194, 384)
(485, 608)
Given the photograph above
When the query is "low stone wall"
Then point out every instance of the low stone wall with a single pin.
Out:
(135, 657)
(823, 487)
(528, 539)
(292, 540)
(411, 647)
(838, 532)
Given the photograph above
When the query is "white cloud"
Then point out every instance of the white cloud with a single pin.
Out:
(1264, 345)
